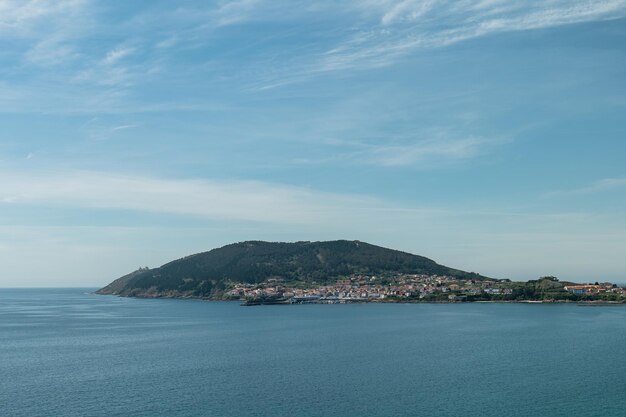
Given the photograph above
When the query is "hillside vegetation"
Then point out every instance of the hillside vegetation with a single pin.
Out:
(207, 274)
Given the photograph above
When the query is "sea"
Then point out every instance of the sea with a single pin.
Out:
(69, 352)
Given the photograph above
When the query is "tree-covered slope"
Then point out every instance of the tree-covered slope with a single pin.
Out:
(207, 274)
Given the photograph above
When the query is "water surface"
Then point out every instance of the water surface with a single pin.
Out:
(71, 353)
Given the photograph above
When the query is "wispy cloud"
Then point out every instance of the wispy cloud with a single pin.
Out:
(424, 148)
(371, 34)
(112, 70)
(404, 26)
(48, 29)
(211, 199)
(101, 130)
(51, 52)
(603, 185)
(116, 54)
(427, 152)
(24, 18)
(406, 10)
(52, 43)
(123, 127)
(232, 12)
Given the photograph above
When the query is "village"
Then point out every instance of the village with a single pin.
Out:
(406, 287)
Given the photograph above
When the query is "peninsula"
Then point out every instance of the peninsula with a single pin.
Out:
(340, 271)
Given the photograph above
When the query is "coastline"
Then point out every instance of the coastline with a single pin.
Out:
(253, 303)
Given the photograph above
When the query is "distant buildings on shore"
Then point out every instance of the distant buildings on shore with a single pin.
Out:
(408, 286)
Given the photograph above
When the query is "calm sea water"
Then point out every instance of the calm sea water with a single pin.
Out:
(66, 352)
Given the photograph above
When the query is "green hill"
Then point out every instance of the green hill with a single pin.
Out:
(207, 274)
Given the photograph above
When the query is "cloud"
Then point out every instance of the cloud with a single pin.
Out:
(427, 152)
(99, 131)
(424, 148)
(123, 127)
(603, 185)
(232, 200)
(167, 43)
(405, 26)
(114, 55)
(51, 52)
(406, 10)
(111, 71)
(24, 18)
(232, 12)
(46, 29)
(52, 36)
(95, 52)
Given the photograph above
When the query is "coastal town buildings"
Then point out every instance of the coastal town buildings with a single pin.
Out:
(418, 287)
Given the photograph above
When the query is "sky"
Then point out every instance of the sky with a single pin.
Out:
(488, 135)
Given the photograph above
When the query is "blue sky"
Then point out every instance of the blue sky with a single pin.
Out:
(488, 135)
